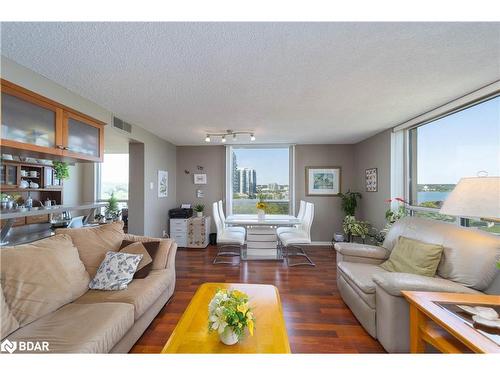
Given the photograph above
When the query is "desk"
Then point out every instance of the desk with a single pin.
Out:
(191, 333)
(431, 323)
(261, 234)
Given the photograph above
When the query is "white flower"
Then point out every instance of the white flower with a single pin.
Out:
(217, 320)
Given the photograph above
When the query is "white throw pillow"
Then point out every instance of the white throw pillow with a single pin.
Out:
(116, 271)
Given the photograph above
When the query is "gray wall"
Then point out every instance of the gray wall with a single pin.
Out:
(158, 153)
(212, 159)
(328, 215)
(374, 152)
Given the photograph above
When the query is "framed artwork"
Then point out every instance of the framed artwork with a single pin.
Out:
(200, 179)
(371, 176)
(323, 181)
(162, 184)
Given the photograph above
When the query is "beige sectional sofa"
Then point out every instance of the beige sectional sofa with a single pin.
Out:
(45, 295)
(374, 295)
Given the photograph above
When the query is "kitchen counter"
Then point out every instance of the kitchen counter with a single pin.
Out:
(23, 212)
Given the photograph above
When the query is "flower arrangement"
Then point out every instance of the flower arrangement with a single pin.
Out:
(261, 205)
(229, 314)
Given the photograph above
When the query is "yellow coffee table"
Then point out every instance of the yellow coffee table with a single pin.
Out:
(191, 333)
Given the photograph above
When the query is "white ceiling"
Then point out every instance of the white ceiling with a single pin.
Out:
(290, 82)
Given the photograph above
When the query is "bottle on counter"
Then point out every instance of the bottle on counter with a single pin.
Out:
(29, 201)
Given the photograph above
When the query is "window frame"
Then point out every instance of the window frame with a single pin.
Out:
(408, 148)
(229, 173)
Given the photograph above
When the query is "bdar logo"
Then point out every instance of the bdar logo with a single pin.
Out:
(8, 346)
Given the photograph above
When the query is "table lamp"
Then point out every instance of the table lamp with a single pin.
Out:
(477, 197)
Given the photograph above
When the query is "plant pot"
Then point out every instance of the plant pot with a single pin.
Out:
(199, 214)
(261, 214)
(228, 337)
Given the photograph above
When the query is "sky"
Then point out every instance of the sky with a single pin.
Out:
(460, 145)
(115, 168)
(271, 164)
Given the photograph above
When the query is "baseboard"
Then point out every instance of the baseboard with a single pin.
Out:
(321, 243)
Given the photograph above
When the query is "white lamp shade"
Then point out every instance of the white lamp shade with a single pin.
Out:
(474, 197)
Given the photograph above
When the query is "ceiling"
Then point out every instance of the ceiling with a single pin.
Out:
(290, 82)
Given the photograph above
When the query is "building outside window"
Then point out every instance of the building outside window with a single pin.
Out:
(259, 173)
(463, 144)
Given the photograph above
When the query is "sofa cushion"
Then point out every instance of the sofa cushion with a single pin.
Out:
(161, 256)
(360, 277)
(78, 328)
(141, 293)
(469, 255)
(40, 277)
(8, 323)
(93, 243)
(415, 257)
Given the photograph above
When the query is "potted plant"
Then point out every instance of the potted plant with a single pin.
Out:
(112, 211)
(230, 315)
(350, 202)
(261, 207)
(353, 227)
(61, 170)
(199, 208)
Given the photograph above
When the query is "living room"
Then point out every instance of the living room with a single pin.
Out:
(250, 187)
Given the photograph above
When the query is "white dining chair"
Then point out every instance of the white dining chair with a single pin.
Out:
(223, 219)
(300, 216)
(226, 239)
(292, 243)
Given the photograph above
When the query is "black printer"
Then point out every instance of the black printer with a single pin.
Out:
(180, 213)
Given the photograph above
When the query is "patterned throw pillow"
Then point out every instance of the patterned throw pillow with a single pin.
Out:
(116, 271)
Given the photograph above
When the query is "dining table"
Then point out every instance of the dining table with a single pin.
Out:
(261, 237)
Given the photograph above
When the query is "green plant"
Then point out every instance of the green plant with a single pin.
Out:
(199, 207)
(350, 202)
(61, 170)
(112, 207)
(354, 227)
(4, 197)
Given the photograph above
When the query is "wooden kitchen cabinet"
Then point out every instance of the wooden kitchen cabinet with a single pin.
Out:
(35, 126)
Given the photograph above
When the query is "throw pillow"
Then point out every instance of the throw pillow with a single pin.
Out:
(146, 263)
(93, 242)
(116, 271)
(413, 256)
(152, 248)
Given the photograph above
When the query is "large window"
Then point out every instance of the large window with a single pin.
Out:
(463, 144)
(259, 173)
(113, 177)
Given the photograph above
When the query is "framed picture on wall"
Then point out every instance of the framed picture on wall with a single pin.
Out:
(200, 179)
(323, 181)
(162, 184)
(371, 177)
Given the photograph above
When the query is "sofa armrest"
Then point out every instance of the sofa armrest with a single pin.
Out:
(165, 257)
(362, 251)
(394, 282)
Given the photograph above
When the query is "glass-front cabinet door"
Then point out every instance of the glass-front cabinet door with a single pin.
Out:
(82, 137)
(29, 121)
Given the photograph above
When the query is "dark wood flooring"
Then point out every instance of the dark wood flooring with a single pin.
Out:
(317, 319)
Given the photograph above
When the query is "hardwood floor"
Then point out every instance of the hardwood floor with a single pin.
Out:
(317, 319)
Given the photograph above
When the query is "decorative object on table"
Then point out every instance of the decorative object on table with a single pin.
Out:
(200, 193)
(261, 207)
(116, 271)
(371, 179)
(112, 212)
(162, 184)
(353, 227)
(338, 237)
(199, 208)
(349, 202)
(200, 178)
(323, 181)
(61, 170)
(229, 314)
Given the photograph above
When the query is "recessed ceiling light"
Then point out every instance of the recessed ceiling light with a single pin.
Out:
(223, 139)
(252, 137)
(207, 139)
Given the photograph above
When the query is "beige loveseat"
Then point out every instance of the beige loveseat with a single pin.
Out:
(374, 295)
(45, 295)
